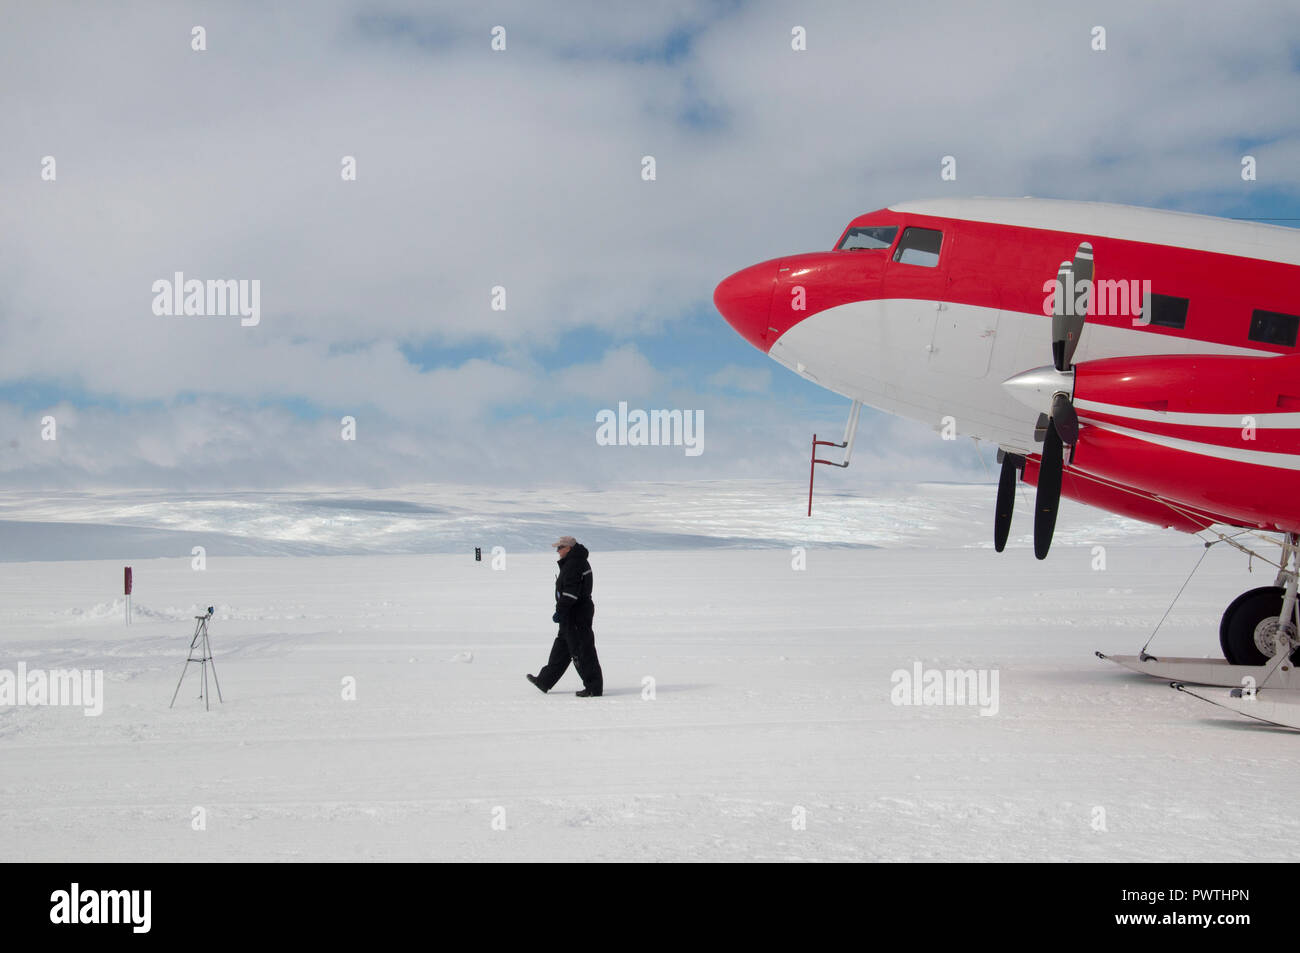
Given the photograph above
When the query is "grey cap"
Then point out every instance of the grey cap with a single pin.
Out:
(564, 541)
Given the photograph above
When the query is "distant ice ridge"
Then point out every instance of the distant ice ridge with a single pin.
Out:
(456, 518)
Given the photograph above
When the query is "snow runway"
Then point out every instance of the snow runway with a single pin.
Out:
(772, 694)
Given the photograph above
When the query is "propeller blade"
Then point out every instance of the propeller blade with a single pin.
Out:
(1040, 428)
(1006, 501)
(1065, 418)
(1062, 304)
(1069, 314)
(1048, 497)
(1083, 262)
(1076, 316)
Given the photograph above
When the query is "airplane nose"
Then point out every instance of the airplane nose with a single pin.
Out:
(745, 300)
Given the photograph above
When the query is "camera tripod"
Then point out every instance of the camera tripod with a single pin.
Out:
(204, 657)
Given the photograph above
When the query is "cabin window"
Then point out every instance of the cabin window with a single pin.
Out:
(867, 237)
(1272, 327)
(1166, 311)
(919, 246)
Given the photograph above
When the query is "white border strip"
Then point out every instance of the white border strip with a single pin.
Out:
(1286, 421)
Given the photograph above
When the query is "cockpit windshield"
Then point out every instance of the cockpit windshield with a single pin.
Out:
(867, 237)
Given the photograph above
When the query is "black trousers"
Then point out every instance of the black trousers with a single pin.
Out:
(576, 642)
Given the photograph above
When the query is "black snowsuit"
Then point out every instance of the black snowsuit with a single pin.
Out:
(574, 610)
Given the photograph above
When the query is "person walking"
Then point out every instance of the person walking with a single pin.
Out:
(574, 611)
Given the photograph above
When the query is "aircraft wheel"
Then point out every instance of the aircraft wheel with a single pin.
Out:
(1248, 629)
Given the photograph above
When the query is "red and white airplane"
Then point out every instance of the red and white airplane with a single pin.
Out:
(1137, 360)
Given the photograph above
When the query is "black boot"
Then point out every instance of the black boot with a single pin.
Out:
(533, 679)
(587, 693)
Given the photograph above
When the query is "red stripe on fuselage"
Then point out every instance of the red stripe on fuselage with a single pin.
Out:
(1005, 267)
(1241, 493)
(1239, 436)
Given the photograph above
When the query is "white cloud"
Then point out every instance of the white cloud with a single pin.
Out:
(752, 380)
(622, 373)
(522, 169)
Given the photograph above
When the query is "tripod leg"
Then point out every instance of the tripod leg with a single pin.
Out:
(216, 680)
(178, 682)
(208, 652)
(204, 693)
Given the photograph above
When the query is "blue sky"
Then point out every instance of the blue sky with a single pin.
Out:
(521, 168)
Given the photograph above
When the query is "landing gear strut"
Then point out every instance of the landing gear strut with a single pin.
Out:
(1258, 635)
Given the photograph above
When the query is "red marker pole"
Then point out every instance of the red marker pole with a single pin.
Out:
(126, 586)
(812, 468)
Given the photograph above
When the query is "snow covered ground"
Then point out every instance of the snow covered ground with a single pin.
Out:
(772, 685)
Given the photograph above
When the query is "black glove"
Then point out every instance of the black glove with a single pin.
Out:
(556, 616)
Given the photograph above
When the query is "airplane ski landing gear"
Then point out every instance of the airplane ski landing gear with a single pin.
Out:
(1261, 648)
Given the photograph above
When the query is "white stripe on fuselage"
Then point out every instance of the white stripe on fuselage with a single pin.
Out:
(911, 358)
(1263, 458)
(1283, 421)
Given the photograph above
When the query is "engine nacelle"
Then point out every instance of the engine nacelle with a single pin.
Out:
(1220, 434)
